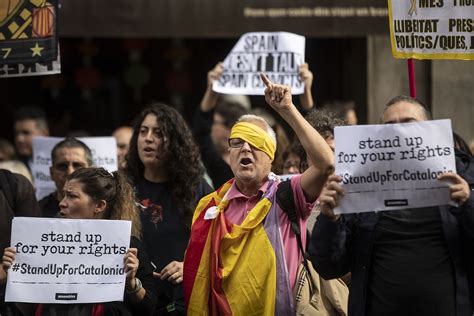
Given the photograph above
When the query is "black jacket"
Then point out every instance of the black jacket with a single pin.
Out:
(346, 245)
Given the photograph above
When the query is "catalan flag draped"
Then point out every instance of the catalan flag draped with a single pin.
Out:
(236, 269)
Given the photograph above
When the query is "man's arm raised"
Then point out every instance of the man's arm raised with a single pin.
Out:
(319, 153)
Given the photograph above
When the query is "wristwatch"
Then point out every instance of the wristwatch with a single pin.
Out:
(138, 286)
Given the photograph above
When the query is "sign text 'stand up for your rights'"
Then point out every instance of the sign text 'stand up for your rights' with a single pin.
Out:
(67, 261)
(393, 166)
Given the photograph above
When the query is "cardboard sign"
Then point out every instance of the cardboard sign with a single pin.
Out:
(67, 261)
(393, 166)
(104, 154)
(432, 29)
(279, 55)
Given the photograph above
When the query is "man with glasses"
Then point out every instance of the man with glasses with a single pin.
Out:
(67, 156)
(243, 257)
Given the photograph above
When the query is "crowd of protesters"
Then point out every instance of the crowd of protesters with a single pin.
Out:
(209, 236)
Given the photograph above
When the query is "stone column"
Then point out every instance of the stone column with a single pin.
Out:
(453, 94)
(388, 77)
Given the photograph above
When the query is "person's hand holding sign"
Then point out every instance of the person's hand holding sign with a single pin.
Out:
(306, 99)
(459, 189)
(132, 284)
(306, 75)
(214, 74)
(7, 261)
(209, 100)
(329, 198)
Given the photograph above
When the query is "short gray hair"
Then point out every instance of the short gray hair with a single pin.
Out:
(252, 118)
(405, 98)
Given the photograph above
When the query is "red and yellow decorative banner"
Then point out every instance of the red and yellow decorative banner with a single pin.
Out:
(28, 31)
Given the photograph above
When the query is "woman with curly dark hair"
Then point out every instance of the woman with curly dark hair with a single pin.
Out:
(163, 164)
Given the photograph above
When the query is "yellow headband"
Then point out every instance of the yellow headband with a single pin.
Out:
(255, 136)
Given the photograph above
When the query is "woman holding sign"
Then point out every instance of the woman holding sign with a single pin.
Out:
(163, 163)
(94, 193)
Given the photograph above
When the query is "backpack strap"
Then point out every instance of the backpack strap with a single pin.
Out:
(9, 187)
(286, 201)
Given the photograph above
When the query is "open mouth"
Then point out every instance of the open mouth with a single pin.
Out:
(245, 161)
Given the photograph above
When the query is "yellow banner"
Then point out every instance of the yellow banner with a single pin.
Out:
(432, 29)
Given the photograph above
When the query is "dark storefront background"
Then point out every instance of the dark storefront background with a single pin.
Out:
(114, 63)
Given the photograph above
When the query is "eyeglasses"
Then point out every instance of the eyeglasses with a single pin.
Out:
(63, 166)
(236, 142)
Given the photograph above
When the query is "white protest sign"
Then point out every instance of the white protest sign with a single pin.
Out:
(67, 260)
(393, 166)
(279, 55)
(432, 29)
(104, 154)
